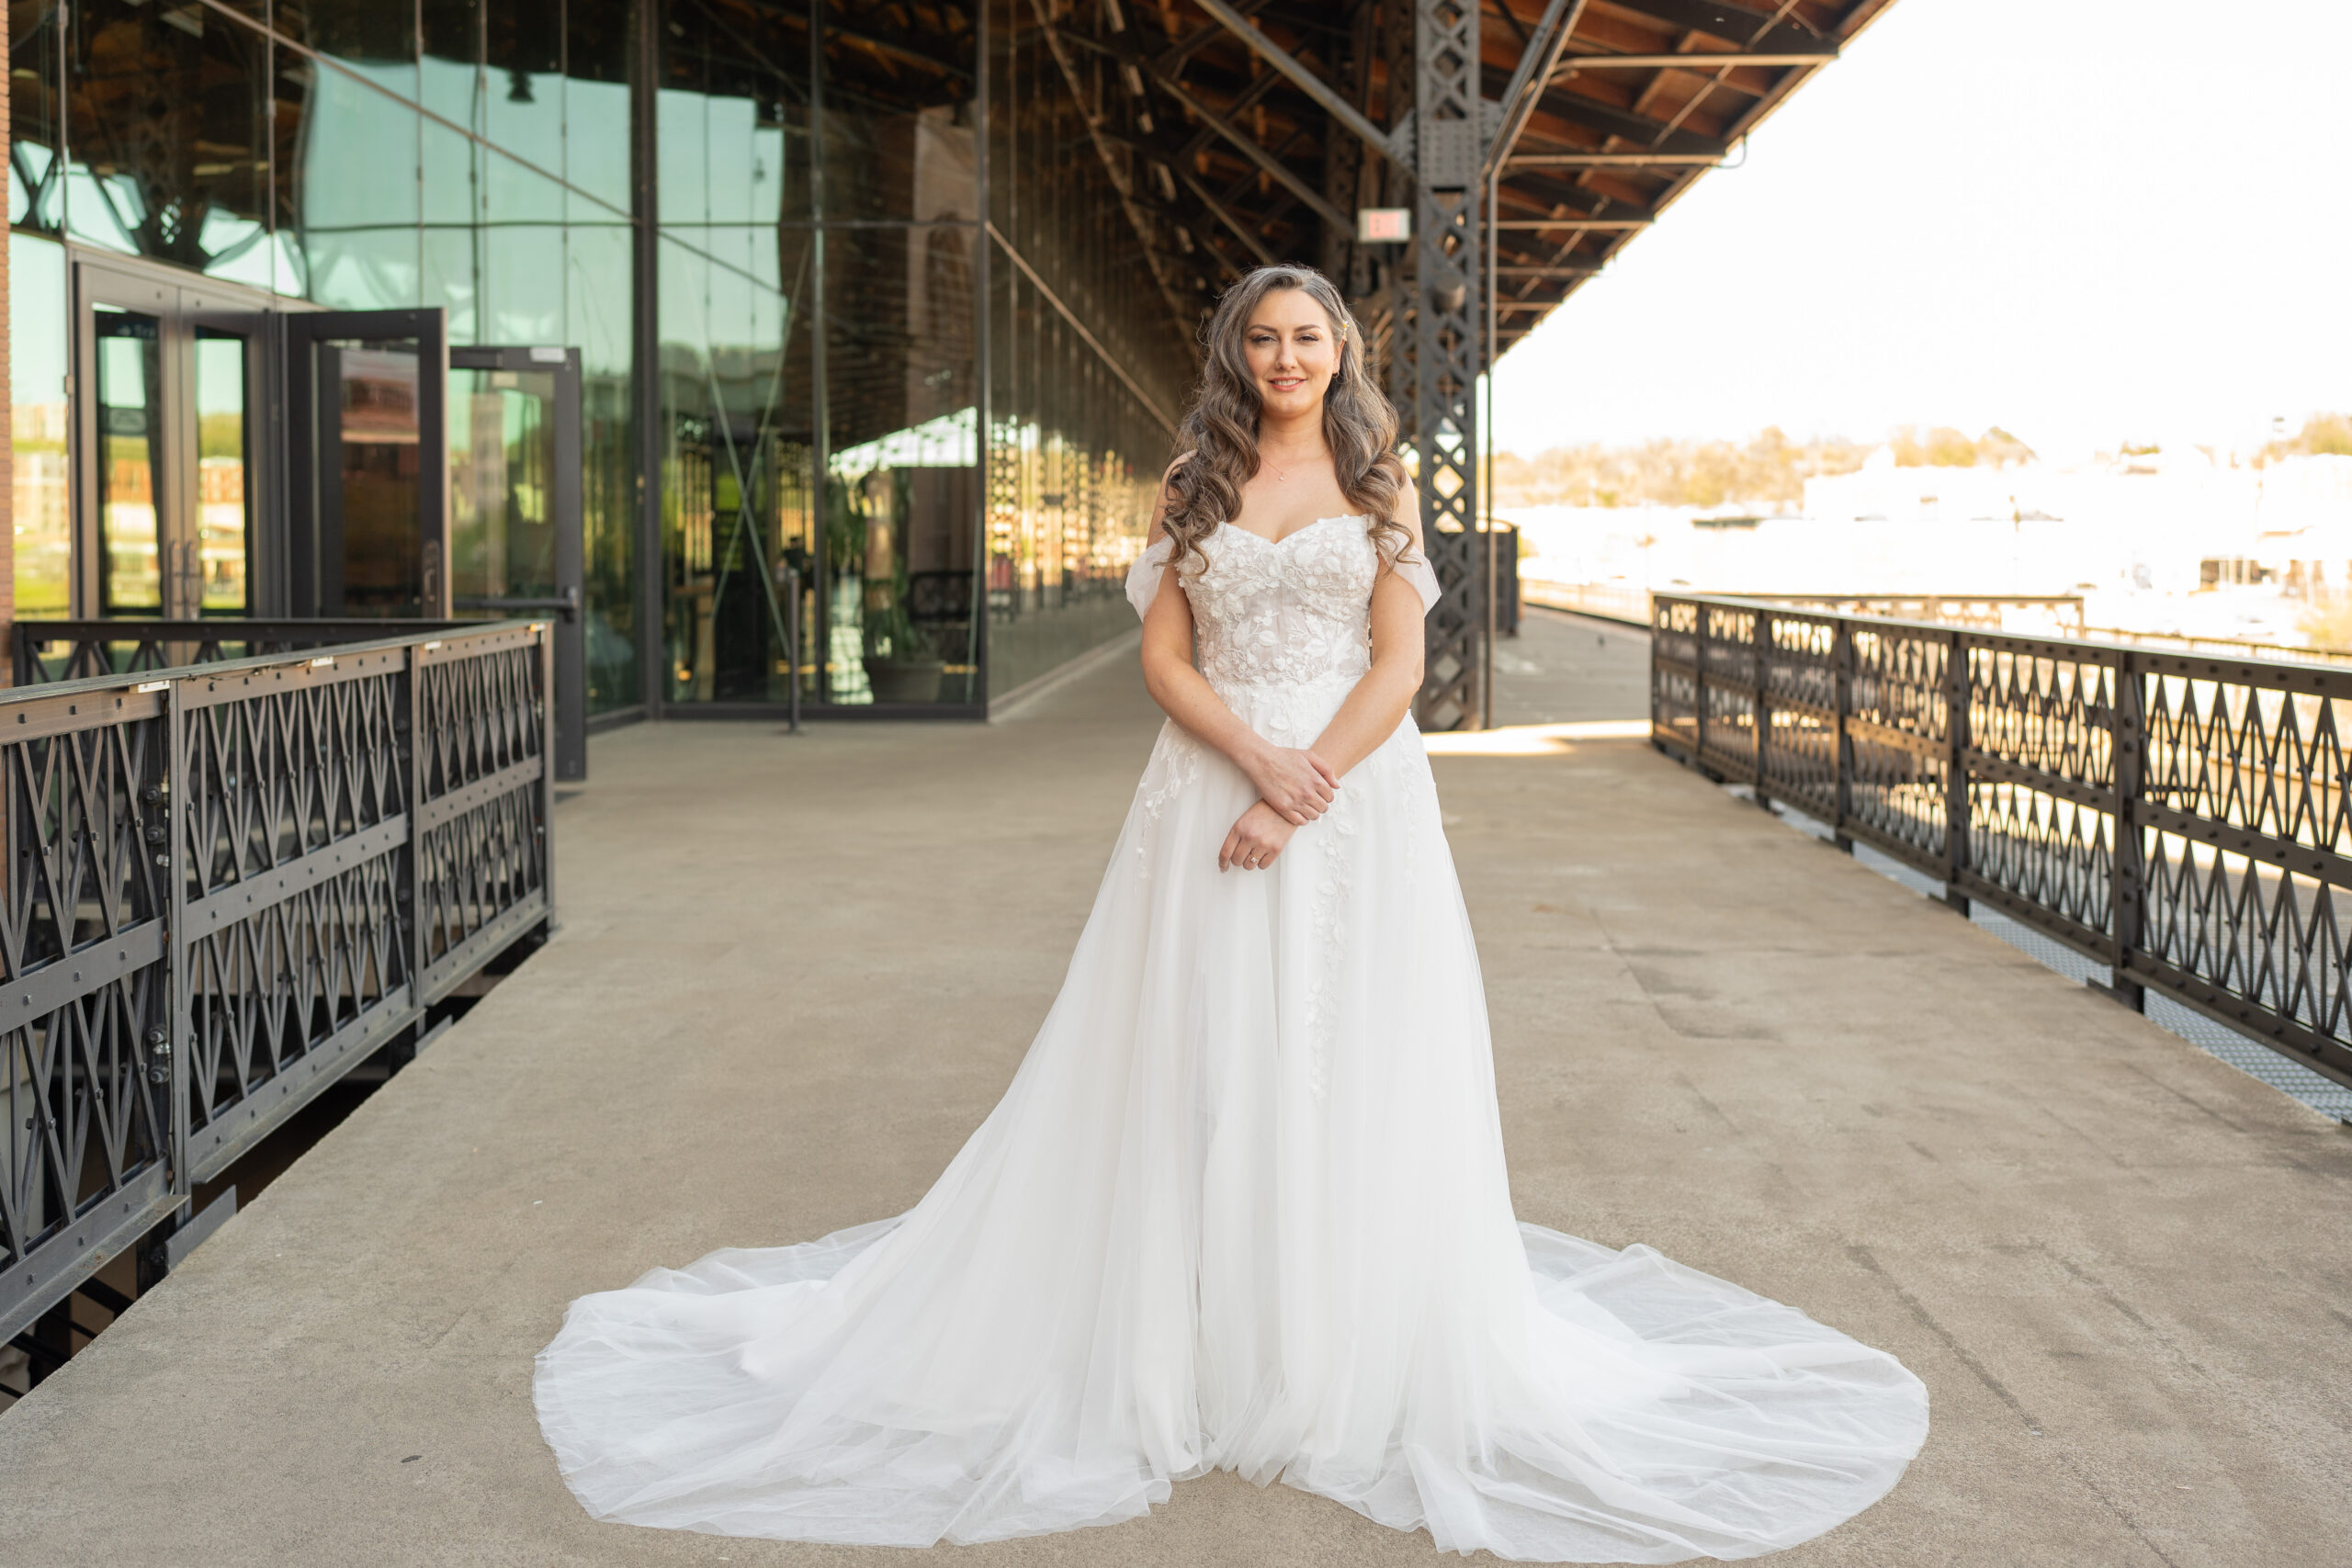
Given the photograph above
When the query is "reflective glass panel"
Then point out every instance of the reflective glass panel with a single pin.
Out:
(522, 254)
(502, 485)
(1072, 453)
(377, 478)
(522, 79)
(903, 496)
(1072, 458)
(595, 105)
(597, 292)
(898, 110)
(223, 514)
(347, 183)
(526, 283)
(449, 77)
(378, 39)
(129, 373)
(734, 114)
(452, 252)
(736, 477)
(167, 115)
(40, 490)
(36, 125)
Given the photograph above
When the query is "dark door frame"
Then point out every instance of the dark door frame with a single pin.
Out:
(181, 301)
(313, 499)
(569, 605)
(238, 311)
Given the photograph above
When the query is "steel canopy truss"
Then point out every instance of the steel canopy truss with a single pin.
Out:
(1529, 139)
(1439, 382)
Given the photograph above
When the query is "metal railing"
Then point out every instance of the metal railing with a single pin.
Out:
(1611, 601)
(228, 885)
(41, 652)
(2183, 819)
(2061, 613)
(64, 650)
(2227, 646)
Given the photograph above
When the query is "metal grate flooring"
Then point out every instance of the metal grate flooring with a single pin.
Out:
(2243, 1052)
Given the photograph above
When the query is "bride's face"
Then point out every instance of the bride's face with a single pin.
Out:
(1293, 353)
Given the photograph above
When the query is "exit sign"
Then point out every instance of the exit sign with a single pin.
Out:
(1375, 224)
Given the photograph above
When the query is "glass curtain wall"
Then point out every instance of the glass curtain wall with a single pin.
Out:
(41, 487)
(734, 381)
(468, 153)
(920, 424)
(819, 377)
(1077, 335)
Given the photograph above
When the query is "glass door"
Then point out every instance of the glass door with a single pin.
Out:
(368, 532)
(125, 436)
(168, 446)
(215, 571)
(515, 543)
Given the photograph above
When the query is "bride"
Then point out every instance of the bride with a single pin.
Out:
(1244, 1204)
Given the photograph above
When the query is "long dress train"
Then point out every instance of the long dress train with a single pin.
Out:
(1243, 1206)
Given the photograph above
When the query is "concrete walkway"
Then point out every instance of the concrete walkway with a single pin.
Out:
(795, 973)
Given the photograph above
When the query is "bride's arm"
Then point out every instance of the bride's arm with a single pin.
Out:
(1291, 781)
(1384, 693)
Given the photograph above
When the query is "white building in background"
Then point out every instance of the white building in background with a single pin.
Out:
(2303, 524)
(2168, 540)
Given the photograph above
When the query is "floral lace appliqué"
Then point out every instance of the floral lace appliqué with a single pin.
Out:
(1289, 612)
(1175, 763)
(1334, 888)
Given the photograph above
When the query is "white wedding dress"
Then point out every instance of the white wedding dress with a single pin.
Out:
(1243, 1206)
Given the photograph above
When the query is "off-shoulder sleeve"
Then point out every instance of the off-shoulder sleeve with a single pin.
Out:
(1412, 566)
(1142, 578)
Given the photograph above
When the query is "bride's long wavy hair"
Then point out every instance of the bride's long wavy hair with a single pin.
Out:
(1221, 431)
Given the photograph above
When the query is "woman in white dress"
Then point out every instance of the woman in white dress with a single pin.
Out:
(1244, 1204)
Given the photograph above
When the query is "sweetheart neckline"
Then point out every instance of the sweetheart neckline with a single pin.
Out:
(1295, 533)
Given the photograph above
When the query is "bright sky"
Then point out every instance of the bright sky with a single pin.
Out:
(2084, 220)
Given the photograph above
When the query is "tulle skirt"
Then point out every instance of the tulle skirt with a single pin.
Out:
(1244, 1206)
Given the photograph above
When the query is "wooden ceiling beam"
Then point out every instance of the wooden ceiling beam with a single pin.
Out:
(1735, 24)
(1649, 135)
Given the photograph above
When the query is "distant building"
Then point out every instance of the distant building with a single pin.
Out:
(2163, 540)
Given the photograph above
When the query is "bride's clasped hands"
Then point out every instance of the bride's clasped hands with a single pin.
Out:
(1294, 787)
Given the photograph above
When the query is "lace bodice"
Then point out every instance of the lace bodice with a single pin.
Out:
(1281, 613)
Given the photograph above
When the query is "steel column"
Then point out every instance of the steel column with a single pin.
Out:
(645, 375)
(1841, 661)
(1760, 661)
(1447, 354)
(1956, 770)
(2127, 876)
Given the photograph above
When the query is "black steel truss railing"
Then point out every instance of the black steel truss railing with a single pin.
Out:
(226, 885)
(2058, 614)
(2183, 819)
(41, 652)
